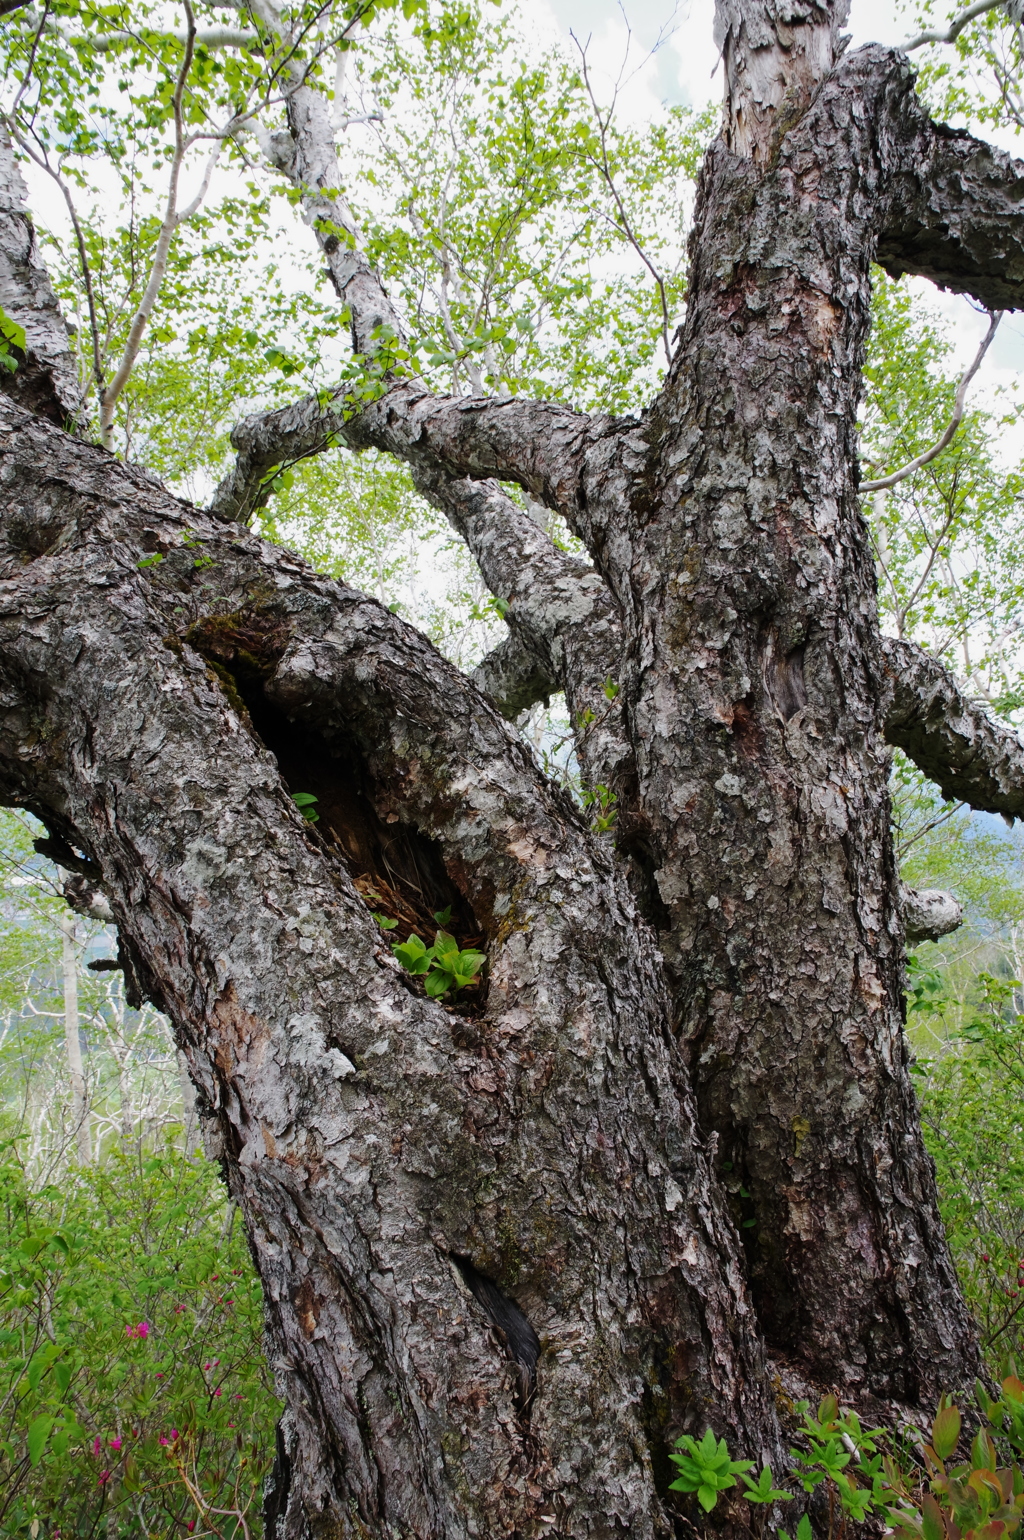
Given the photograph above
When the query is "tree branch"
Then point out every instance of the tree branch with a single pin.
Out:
(952, 212)
(954, 30)
(954, 422)
(541, 445)
(46, 381)
(352, 1106)
(565, 625)
(950, 738)
(171, 221)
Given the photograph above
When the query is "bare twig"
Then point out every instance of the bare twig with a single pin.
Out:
(994, 318)
(625, 224)
(171, 220)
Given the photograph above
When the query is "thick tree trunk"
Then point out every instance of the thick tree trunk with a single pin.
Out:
(500, 1236)
(406, 1169)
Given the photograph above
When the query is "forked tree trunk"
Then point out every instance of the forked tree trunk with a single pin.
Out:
(500, 1237)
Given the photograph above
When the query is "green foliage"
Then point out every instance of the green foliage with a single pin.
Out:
(603, 800)
(305, 802)
(705, 1468)
(12, 341)
(949, 541)
(867, 1475)
(443, 967)
(971, 1111)
(134, 1391)
(508, 224)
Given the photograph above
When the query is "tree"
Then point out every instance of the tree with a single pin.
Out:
(514, 1238)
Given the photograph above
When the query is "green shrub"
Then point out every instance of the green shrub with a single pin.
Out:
(135, 1397)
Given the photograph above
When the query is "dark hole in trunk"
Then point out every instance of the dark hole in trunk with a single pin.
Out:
(399, 871)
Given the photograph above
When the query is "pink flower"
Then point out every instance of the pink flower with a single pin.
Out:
(207, 1366)
(115, 1443)
(97, 1445)
(191, 1525)
(104, 1477)
(159, 1376)
(217, 1391)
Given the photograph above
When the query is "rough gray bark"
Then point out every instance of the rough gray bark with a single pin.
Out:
(698, 1022)
(928, 715)
(757, 716)
(383, 1148)
(46, 380)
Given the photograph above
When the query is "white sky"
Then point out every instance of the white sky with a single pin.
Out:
(684, 71)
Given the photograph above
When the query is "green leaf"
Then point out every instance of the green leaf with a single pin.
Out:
(412, 954)
(443, 916)
(304, 801)
(762, 1490)
(11, 332)
(932, 1526)
(945, 1431)
(38, 1433)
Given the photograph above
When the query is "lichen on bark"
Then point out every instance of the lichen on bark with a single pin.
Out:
(665, 1159)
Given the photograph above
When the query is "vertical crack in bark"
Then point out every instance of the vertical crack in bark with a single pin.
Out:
(505, 1315)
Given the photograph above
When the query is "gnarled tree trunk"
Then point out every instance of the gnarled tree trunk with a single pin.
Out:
(500, 1237)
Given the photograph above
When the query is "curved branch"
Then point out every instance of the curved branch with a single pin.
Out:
(958, 411)
(386, 1136)
(565, 626)
(950, 738)
(954, 30)
(541, 445)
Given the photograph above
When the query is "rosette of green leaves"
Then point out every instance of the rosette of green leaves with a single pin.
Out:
(444, 967)
(705, 1467)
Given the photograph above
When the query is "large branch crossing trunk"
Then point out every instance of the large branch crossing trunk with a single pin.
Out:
(435, 1196)
(499, 1235)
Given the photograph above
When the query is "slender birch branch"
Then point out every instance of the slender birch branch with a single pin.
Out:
(994, 317)
(953, 31)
